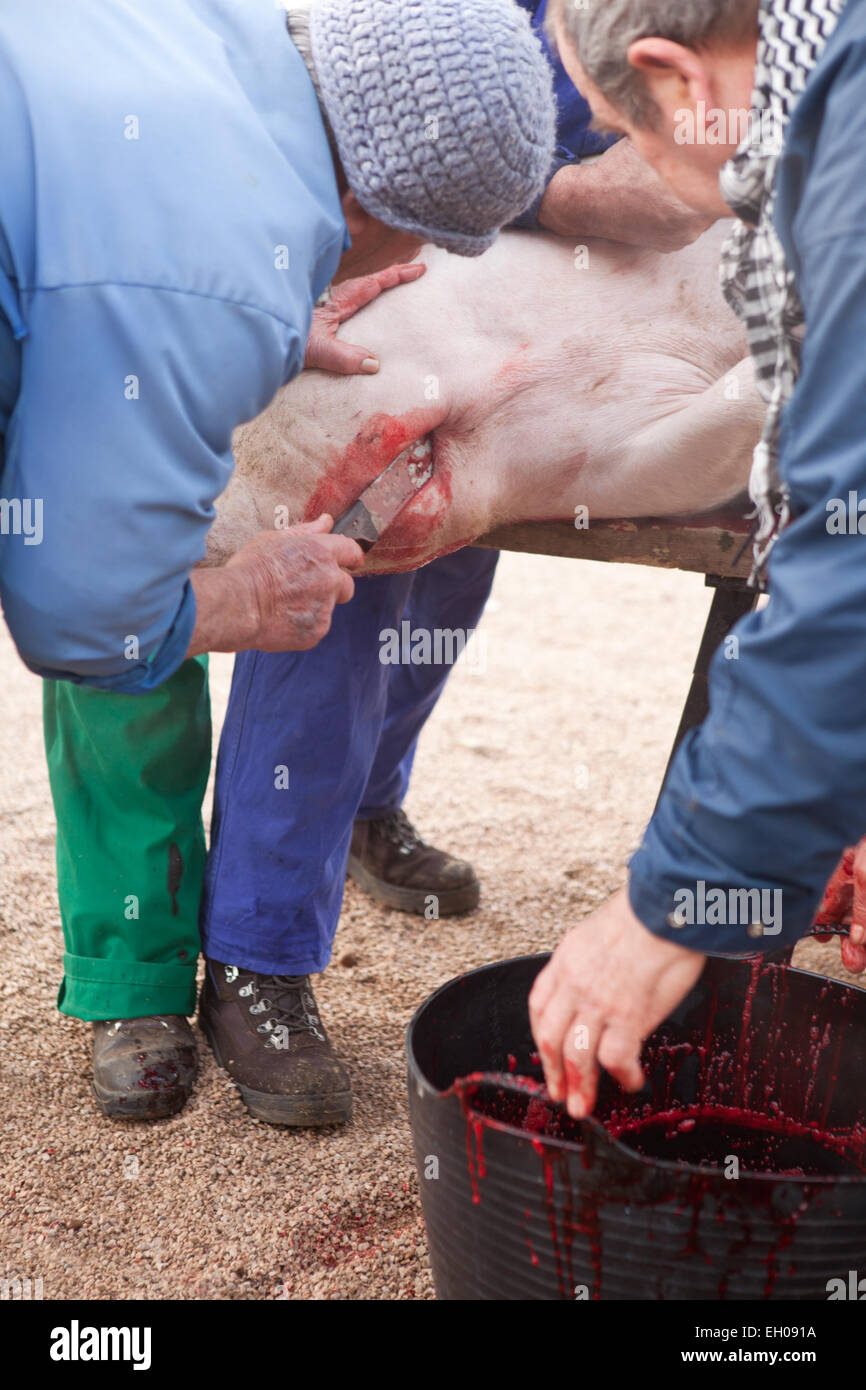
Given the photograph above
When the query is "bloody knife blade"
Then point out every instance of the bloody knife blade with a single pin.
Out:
(387, 495)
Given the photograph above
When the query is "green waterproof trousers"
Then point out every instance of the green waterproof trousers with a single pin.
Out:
(128, 775)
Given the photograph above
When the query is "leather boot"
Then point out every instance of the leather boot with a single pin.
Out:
(143, 1068)
(266, 1032)
(390, 861)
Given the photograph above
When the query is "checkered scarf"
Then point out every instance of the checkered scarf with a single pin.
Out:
(755, 277)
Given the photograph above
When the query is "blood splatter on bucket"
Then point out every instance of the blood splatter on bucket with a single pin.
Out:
(739, 1172)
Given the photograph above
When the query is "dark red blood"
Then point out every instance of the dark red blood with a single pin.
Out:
(348, 472)
(411, 536)
(706, 1135)
(158, 1078)
(747, 1094)
(352, 469)
(539, 1117)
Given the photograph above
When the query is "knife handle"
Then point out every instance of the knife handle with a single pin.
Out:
(358, 525)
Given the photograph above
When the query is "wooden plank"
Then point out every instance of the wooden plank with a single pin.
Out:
(701, 545)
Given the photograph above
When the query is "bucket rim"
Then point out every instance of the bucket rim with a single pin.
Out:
(599, 1131)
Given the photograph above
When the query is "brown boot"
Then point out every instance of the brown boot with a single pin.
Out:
(266, 1032)
(143, 1068)
(390, 861)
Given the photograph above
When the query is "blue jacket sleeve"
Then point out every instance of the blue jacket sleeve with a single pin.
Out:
(118, 446)
(773, 786)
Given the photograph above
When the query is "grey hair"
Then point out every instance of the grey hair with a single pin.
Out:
(604, 30)
(298, 25)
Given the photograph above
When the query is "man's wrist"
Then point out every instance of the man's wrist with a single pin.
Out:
(569, 206)
(530, 220)
(227, 614)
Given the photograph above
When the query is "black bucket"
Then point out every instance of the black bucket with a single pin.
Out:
(522, 1208)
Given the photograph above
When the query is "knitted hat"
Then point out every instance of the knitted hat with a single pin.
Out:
(442, 110)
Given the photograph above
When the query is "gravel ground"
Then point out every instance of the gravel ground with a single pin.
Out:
(541, 764)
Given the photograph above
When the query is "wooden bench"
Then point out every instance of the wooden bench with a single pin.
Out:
(716, 545)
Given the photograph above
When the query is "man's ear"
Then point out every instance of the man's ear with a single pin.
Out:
(674, 75)
(357, 218)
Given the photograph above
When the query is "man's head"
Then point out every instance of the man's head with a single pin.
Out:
(441, 117)
(676, 76)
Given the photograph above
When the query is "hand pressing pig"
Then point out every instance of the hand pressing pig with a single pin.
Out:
(844, 903)
(325, 352)
(277, 593)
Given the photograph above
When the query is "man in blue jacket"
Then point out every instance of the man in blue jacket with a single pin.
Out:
(763, 797)
(175, 195)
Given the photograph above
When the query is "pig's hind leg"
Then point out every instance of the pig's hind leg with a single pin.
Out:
(698, 456)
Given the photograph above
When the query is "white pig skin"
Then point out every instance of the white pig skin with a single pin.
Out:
(612, 379)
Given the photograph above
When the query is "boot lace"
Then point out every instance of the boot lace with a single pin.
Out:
(284, 1004)
(401, 832)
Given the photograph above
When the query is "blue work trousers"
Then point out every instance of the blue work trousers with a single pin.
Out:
(312, 741)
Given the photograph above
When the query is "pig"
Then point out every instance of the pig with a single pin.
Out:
(552, 382)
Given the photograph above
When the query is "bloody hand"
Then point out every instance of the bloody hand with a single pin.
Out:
(608, 984)
(844, 904)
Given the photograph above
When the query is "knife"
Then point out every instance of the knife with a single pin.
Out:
(387, 495)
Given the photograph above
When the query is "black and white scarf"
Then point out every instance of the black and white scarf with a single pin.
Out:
(755, 277)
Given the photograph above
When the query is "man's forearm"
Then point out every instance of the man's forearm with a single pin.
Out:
(620, 198)
(581, 202)
(226, 613)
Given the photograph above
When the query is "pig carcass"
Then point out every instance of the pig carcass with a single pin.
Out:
(549, 378)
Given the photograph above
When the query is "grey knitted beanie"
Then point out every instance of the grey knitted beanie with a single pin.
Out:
(442, 110)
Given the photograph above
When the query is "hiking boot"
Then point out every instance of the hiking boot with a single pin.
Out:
(266, 1032)
(390, 861)
(143, 1068)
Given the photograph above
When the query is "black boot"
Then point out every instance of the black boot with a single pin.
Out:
(266, 1032)
(143, 1068)
(390, 861)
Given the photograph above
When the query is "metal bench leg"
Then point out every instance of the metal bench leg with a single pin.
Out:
(732, 600)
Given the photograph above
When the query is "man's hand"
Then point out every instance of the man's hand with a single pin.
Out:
(844, 903)
(609, 983)
(324, 350)
(277, 594)
(621, 198)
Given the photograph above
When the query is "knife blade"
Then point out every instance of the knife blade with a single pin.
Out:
(387, 495)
